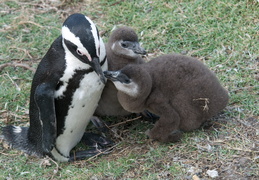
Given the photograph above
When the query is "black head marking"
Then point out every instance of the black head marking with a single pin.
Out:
(85, 31)
(81, 38)
(60, 83)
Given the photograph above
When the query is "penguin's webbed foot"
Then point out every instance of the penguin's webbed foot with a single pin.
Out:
(99, 145)
(149, 116)
(80, 155)
(99, 124)
(175, 136)
(96, 140)
(172, 137)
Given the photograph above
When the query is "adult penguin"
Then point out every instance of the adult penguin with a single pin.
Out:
(64, 94)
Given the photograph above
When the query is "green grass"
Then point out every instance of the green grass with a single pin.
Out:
(223, 34)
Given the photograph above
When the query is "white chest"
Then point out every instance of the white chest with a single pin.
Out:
(83, 104)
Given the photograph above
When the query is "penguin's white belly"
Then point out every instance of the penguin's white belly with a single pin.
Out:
(83, 105)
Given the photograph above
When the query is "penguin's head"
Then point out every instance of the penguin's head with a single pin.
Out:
(122, 82)
(133, 80)
(80, 36)
(124, 42)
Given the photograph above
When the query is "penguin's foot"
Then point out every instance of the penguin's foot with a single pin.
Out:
(99, 144)
(149, 116)
(99, 124)
(95, 140)
(80, 155)
(173, 136)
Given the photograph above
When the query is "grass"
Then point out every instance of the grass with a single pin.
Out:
(223, 34)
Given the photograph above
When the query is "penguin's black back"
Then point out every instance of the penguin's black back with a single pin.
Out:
(49, 70)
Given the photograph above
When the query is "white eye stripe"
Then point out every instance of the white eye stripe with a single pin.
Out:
(68, 35)
(82, 54)
(89, 57)
(95, 35)
(99, 45)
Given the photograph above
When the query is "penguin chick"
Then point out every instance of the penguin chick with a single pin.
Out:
(64, 94)
(122, 48)
(180, 89)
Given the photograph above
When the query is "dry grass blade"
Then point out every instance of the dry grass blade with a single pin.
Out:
(222, 34)
(102, 152)
(124, 122)
(14, 64)
(30, 22)
(206, 102)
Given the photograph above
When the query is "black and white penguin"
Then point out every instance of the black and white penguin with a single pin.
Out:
(180, 89)
(122, 48)
(65, 92)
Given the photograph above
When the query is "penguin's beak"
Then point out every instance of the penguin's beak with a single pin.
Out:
(117, 76)
(112, 75)
(98, 69)
(138, 49)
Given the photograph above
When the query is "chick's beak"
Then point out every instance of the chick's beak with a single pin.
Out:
(138, 49)
(117, 76)
(112, 75)
(98, 69)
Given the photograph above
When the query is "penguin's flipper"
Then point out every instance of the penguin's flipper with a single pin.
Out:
(44, 98)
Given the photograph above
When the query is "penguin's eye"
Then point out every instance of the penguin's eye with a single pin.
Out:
(99, 51)
(79, 52)
(127, 81)
(124, 44)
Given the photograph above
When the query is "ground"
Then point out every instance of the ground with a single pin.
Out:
(222, 34)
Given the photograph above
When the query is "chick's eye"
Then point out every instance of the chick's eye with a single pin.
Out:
(79, 52)
(124, 45)
(127, 81)
(99, 51)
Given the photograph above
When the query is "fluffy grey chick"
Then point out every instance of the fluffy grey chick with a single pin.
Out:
(122, 48)
(180, 89)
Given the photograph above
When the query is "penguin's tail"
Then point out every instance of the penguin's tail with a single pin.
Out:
(17, 138)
